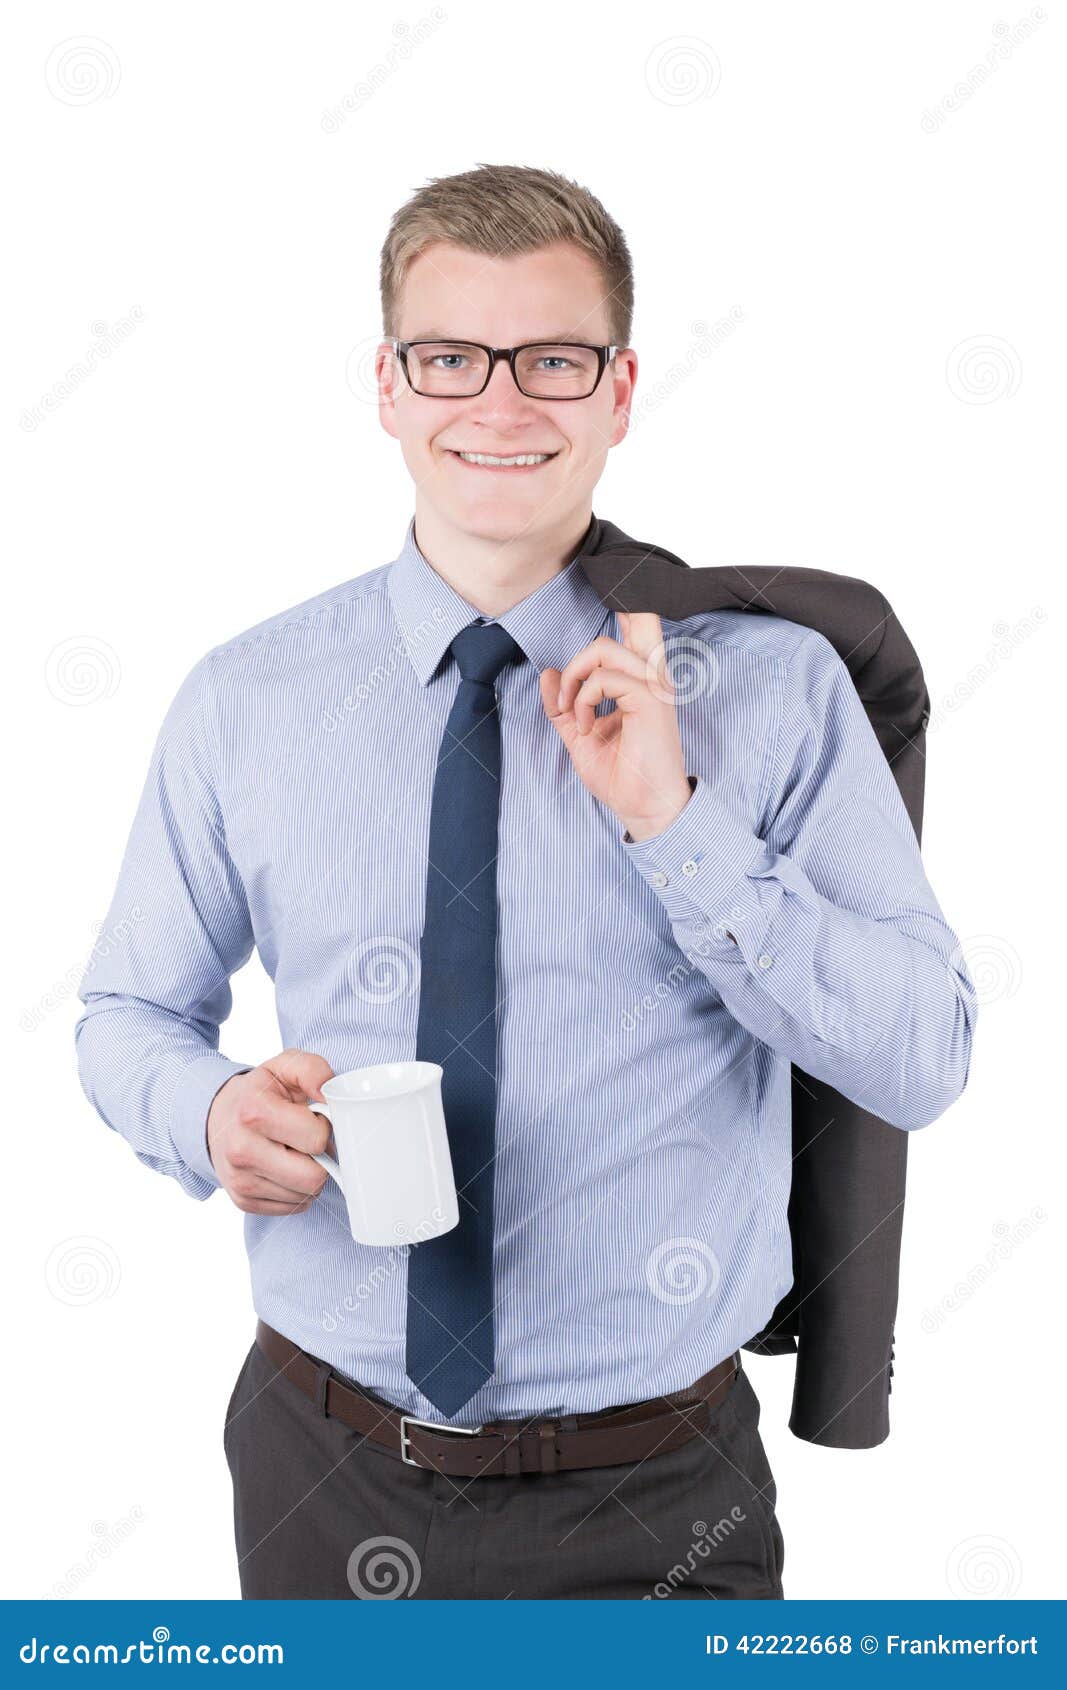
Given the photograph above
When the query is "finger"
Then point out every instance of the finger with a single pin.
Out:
(549, 680)
(562, 721)
(301, 1072)
(258, 1187)
(282, 1166)
(642, 632)
(643, 635)
(601, 653)
(293, 1124)
(267, 1206)
(606, 683)
(606, 728)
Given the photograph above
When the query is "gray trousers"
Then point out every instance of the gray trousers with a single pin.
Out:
(322, 1512)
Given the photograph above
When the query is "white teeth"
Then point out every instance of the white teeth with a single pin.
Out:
(484, 458)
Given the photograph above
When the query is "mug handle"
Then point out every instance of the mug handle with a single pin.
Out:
(323, 1160)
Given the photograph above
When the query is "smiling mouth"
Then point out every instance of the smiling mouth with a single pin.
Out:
(519, 463)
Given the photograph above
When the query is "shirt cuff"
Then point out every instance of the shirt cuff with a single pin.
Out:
(191, 1105)
(697, 865)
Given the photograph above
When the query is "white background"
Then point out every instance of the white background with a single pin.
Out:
(224, 462)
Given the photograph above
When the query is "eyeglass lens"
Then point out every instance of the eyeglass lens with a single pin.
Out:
(543, 371)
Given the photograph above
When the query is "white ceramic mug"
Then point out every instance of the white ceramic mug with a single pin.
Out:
(395, 1166)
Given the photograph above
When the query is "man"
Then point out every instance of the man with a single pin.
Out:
(463, 753)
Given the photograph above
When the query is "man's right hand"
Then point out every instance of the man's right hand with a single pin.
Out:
(261, 1135)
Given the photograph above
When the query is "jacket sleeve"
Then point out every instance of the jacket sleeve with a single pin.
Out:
(821, 934)
(156, 987)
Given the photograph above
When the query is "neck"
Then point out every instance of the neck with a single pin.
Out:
(494, 574)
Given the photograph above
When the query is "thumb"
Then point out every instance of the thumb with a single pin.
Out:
(301, 1072)
(642, 631)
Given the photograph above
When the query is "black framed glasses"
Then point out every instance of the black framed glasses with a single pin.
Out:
(461, 369)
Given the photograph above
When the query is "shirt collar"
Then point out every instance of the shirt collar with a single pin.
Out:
(551, 624)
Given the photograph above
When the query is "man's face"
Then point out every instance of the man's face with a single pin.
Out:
(556, 294)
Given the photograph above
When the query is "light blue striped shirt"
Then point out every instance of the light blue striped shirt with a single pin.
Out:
(651, 996)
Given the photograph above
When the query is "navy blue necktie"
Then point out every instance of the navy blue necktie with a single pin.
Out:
(450, 1279)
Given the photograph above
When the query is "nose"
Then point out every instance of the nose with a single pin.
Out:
(501, 398)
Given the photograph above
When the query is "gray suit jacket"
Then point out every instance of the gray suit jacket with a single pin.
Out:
(847, 1198)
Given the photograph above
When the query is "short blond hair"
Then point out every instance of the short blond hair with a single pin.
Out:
(503, 209)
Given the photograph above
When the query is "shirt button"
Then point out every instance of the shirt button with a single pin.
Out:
(659, 878)
(689, 867)
(764, 960)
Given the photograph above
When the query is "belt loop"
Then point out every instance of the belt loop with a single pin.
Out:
(549, 1449)
(322, 1380)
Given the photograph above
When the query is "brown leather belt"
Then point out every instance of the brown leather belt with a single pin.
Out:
(504, 1447)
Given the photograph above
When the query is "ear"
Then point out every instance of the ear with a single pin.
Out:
(390, 378)
(624, 381)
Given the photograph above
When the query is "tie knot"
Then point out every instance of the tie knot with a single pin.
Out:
(483, 649)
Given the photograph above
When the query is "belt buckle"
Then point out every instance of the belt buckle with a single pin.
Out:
(431, 1426)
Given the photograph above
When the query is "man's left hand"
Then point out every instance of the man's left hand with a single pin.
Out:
(630, 759)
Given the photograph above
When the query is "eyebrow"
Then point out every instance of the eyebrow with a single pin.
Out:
(537, 340)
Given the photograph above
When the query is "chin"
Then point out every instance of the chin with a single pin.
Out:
(498, 514)
(499, 521)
